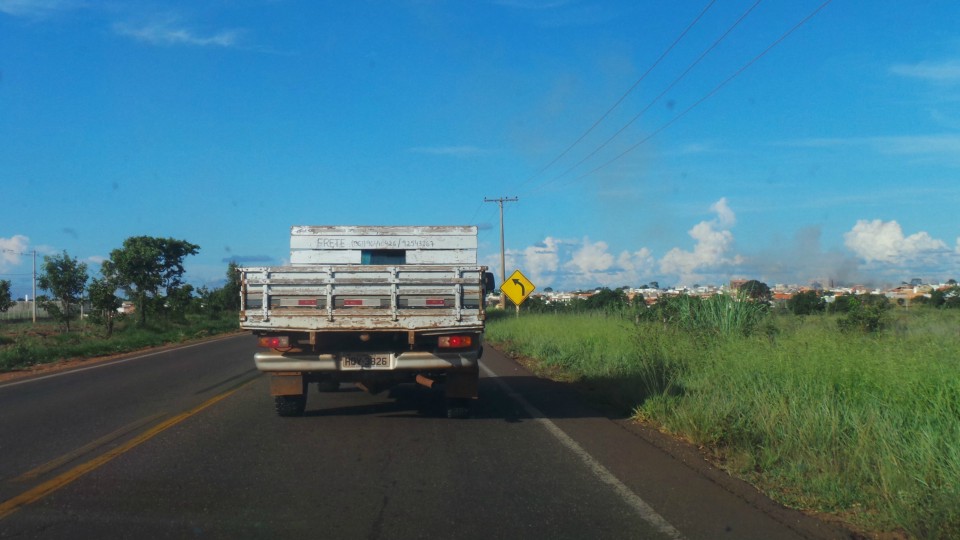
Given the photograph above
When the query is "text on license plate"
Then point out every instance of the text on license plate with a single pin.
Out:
(366, 361)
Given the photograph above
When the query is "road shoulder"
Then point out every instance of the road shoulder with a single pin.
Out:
(671, 475)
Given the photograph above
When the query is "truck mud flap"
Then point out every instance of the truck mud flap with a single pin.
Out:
(462, 384)
(287, 384)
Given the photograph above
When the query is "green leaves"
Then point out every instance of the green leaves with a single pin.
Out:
(5, 300)
(146, 265)
(66, 279)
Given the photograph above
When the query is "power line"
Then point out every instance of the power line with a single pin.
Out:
(627, 93)
(711, 93)
(669, 87)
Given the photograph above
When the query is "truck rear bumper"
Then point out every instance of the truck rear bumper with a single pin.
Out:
(273, 361)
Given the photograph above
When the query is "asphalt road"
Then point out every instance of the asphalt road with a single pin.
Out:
(184, 443)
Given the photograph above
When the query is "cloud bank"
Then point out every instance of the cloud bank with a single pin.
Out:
(884, 241)
(873, 250)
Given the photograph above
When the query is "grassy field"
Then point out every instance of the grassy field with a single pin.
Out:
(24, 344)
(862, 426)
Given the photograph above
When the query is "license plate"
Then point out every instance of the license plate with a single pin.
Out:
(366, 361)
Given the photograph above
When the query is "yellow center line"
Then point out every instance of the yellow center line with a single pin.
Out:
(85, 449)
(42, 490)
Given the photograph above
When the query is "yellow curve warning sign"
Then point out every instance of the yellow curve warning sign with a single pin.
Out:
(517, 287)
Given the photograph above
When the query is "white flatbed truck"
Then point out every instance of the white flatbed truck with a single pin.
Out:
(374, 306)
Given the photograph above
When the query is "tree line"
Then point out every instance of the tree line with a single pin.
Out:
(146, 270)
(867, 313)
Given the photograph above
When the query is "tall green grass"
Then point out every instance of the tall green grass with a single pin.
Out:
(863, 426)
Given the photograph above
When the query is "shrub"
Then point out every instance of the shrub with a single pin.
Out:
(865, 317)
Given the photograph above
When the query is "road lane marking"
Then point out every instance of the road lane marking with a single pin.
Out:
(112, 362)
(644, 510)
(85, 449)
(42, 490)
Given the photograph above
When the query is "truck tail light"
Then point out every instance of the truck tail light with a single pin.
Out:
(275, 342)
(455, 342)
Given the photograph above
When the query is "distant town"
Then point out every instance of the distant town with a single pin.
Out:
(903, 294)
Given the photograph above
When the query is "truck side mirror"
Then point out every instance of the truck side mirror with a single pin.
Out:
(489, 283)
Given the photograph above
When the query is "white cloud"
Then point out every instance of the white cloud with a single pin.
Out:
(590, 258)
(920, 144)
(943, 147)
(894, 144)
(11, 250)
(35, 8)
(169, 32)
(592, 264)
(884, 241)
(572, 264)
(945, 71)
(725, 215)
(713, 243)
(636, 266)
(567, 264)
(543, 259)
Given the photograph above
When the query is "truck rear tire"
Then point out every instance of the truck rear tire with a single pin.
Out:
(290, 405)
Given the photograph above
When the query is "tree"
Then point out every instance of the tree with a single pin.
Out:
(606, 299)
(756, 290)
(945, 298)
(805, 303)
(6, 302)
(103, 297)
(842, 303)
(66, 279)
(226, 298)
(146, 267)
(231, 290)
(866, 314)
(952, 297)
(178, 301)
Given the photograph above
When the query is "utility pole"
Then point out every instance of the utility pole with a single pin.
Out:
(503, 264)
(34, 287)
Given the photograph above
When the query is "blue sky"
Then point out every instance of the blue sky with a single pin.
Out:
(834, 155)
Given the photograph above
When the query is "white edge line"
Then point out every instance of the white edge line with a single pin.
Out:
(109, 363)
(602, 473)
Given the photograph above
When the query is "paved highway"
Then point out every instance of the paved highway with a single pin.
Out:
(184, 443)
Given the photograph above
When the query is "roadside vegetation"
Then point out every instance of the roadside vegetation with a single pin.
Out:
(146, 270)
(850, 409)
(25, 345)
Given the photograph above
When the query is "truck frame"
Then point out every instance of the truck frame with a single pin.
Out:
(374, 306)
